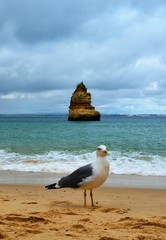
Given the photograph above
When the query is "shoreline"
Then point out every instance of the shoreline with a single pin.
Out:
(113, 181)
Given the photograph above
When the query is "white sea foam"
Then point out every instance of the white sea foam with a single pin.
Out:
(65, 162)
(138, 164)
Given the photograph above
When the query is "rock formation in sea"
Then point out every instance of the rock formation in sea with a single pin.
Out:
(80, 108)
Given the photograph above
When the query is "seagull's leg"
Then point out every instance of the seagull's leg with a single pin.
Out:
(84, 198)
(91, 196)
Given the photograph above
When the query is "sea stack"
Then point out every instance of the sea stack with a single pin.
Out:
(80, 108)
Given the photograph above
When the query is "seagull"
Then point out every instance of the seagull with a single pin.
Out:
(87, 177)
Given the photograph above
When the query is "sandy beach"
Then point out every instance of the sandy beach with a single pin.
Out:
(28, 211)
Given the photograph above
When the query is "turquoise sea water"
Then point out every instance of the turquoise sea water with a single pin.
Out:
(136, 144)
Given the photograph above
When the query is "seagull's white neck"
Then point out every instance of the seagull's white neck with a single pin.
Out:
(102, 162)
(101, 159)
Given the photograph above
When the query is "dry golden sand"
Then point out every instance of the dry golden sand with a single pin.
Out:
(31, 212)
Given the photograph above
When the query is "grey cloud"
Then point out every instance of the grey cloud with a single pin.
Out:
(38, 20)
(34, 21)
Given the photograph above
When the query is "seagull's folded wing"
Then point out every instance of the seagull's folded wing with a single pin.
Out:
(77, 177)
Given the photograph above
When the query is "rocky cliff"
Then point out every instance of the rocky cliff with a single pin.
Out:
(80, 108)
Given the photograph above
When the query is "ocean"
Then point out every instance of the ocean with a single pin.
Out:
(50, 143)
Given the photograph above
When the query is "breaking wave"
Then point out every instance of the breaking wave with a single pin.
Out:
(136, 163)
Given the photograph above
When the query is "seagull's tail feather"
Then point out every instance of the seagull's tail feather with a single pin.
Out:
(51, 186)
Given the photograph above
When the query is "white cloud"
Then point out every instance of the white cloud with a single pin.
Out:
(153, 86)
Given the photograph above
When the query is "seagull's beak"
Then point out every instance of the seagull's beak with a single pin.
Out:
(105, 152)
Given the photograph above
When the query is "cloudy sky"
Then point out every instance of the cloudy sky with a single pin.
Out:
(117, 48)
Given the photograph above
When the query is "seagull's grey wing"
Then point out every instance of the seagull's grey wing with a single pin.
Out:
(75, 178)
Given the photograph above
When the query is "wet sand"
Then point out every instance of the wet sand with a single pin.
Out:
(114, 180)
(28, 211)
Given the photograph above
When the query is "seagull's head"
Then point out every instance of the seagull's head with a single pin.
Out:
(101, 151)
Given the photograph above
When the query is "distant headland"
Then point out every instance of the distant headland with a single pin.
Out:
(80, 108)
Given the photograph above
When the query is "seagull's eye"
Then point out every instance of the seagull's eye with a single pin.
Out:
(99, 149)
